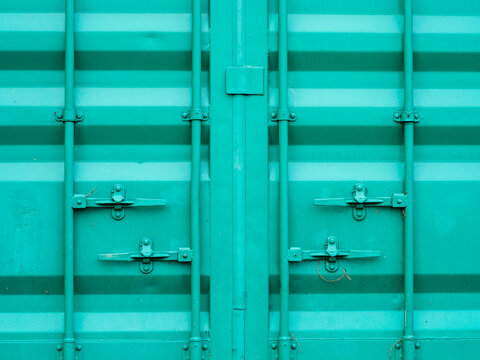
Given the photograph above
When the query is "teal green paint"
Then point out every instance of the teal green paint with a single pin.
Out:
(133, 81)
(69, 118)
(331, 254)
(117, 202)
(195, 276)
(238, 204)
(69, 332)
(257, 185)
(221, 180)
(283, 116)
(245, 80)
(408, 131)
(359, 201)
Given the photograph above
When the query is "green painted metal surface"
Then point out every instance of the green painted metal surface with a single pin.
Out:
(208, 150)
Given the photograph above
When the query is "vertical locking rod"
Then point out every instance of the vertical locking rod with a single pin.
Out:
(284, 335)
(195, 335)
(239, 150)
(408, 128)
(69, 118)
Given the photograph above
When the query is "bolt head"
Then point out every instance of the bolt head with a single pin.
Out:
(397, 115)
(118, 188)
(59, 347)
(293, 116)
(359, 213)
(185, 347)
(331, 241)
(205, 346)
(331, 266)
(205, 116)
(417, 345)
(274, 346)
(273, 114)
(185, 115)
(79, 347)
(185, 255)
(293, 346)
(359, 187)
(399, 201)
(416, 116)
(146, 241)
(398, 345)
(118, 214)
(79, 201)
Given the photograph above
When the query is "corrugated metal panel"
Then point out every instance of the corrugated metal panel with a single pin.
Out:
(345, 73)
(345, 81)
(133, 62)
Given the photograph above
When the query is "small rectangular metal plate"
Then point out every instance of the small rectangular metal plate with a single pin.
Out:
(79, 201)
(245, 80)
(295, 254)
(184, 255)
(399, 200)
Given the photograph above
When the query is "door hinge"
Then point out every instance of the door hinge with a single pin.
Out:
(146, 256)
(245, 80)
(117, 202)
(359, 201)
(332, 254)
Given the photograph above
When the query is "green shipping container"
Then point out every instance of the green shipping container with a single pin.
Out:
(239, 179)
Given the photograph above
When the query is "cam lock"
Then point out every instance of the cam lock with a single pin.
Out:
(331, 254)
(118, 202)
(359, 201)
(146, 256)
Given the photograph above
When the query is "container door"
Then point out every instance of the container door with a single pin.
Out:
(346, 170)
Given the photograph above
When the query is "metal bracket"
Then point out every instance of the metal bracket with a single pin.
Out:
(360, 201)
(78, 352)
(118, 202)
(400, 348)
(205, 350)
(69, 115)
(331, 254)
(398, 351)
(147, 256)
(195, 114)
(274, 350)
(244, 80)
(402, 116)
(283, 116)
